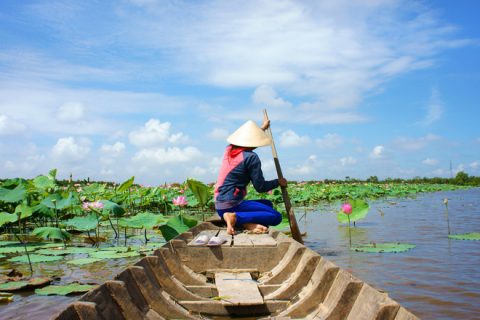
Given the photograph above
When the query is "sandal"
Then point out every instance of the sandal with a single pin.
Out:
(216, 241)
(201, 240)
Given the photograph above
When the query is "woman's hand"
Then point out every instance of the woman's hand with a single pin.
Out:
(265, 125)
(282, 182)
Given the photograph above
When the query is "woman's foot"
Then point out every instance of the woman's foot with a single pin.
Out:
(255, 228)
(230, 218)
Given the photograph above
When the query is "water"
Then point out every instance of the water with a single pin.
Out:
(439, 279)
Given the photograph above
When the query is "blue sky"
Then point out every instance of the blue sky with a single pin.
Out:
(111, 89)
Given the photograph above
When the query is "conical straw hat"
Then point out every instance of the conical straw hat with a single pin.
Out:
(249, 135)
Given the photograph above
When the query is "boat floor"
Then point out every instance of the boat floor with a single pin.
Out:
(250, 276)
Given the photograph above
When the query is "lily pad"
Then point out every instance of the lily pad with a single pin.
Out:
(65, 290)
(475, 236)
(384, 247)
(51, 252)
(7, 243)
(118, 249)
(25, 284)
(35, 258)
(113, 255)
(82, 261)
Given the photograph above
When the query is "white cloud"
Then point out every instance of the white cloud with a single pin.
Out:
(307, 169)
(9, 126)
(475, 165)
(71, 149)
(71, 112)
(161, 156)
(430, 161)
(413, 144)
(266, 96)
(113, 150)
(218, 134)
(334, 51)
(329, 141)
(290, 139)
(378, 152)
(155, 133)
(348, 161)
(434, 109)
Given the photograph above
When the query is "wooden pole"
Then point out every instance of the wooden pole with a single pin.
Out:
(296, 235)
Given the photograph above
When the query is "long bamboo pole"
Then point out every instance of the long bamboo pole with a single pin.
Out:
(296, 235)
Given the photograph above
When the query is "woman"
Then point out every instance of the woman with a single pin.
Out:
(240, 166)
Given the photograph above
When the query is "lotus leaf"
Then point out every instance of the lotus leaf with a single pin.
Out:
(126, 185)
(14, 195)
(25, 284)
(51, 252)
(200, 190)
(87, 223)
(94, 188)
(34, 258)
(2, 256)
(23, 210)
(142, 220)
(65, 290)
(43, 182)
(384, 247)
(466, 236)
(113, 255)
(118, 249)
(51, 233)
(52, 201)
(175, 226)
(359, 211)
(6, 217)
(112, 208)
(83, 261)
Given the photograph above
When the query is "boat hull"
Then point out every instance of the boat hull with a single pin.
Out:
(267, 276)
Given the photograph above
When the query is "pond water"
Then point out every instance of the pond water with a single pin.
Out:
(439, 279)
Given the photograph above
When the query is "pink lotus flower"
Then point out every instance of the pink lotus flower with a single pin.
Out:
(180, 201)
(97, 205)
(270, 192)
(347, 208)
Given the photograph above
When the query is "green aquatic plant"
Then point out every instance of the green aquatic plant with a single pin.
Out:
(387, 247)
(73, 288)
(473, 236)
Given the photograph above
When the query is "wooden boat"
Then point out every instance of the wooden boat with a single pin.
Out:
(266, 276)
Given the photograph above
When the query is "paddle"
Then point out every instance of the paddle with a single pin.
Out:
(286, 198)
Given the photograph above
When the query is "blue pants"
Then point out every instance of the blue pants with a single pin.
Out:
(254, 211)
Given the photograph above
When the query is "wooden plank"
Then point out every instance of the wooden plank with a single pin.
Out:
(238, 289)
(262, 240)
(242, 240)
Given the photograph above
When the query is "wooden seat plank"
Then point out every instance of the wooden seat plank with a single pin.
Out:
(262, 240)
(242, 240)
(238, 289)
